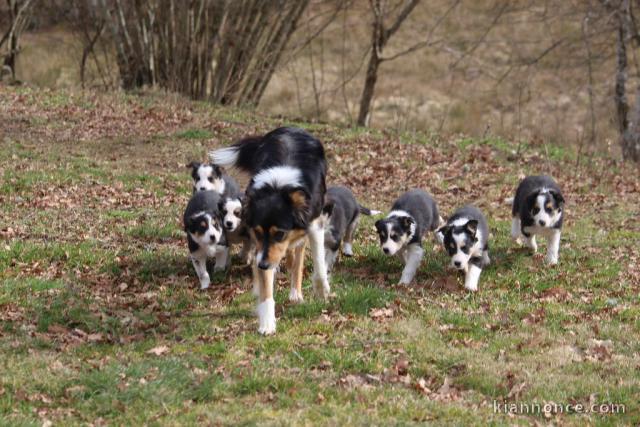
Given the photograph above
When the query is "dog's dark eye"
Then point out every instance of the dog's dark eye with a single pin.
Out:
(535, 210)
(395, 237)
(279, 236)
(210, 179)
(236, 212)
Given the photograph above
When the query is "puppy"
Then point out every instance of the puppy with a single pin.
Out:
(538, 209)
(209, 177)
(205, 235)
(284, 203)
(401, 232)
(341, 214)
(465, 237)
(230, 208)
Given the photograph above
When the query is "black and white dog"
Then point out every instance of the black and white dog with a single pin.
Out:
(283, 207)
(342, 214)
(401, 232)
(538, 209)
(236, 232)
(205, 235)
(465, 237)
(209, 177)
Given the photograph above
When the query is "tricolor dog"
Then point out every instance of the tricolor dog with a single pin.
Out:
(342, 214)
(230, 208)
(465, 237)
(284, 203)
(209, 177)
(401, 232)
(205, 235)
(538, 209)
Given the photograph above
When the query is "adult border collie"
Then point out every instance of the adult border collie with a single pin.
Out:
(283, 207)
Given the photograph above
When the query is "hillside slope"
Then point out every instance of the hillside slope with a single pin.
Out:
(103, 321)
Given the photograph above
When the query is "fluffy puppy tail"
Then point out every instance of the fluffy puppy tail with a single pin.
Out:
(240, 155)
(367, 211)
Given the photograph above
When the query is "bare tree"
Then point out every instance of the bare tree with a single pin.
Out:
(380, 35)
(19, 15)
(221, 50)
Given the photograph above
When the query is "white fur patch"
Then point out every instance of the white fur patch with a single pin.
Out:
(278, 177)
(224, 156)
(399, 213)
(294, 296)
(267, 317)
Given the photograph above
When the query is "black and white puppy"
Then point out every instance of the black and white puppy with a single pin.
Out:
(401, 232)
(342, 214)
(284, 202)
(205, 235)
(465, 237)
(209, 177)
(231, 215)
(538, 209)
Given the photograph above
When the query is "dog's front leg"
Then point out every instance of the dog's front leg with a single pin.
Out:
(553, 246)
(413, 259)
(222, 258)
(199, 261)
(320, 280)
(471, 277)
(296, 269)
(266, 308)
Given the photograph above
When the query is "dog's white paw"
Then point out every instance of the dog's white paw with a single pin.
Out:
(473, 287)
(321, 287)
(552, 259)
(295, 297)
(217, 268)
(205, 282)
(347, 249)
(267, 317)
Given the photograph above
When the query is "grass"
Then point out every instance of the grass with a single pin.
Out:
(103, 321)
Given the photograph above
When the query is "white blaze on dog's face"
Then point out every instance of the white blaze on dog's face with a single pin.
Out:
(206, 177)
(546, 209)
(395, 232)
(231, 212)
(204, 230)
(462, 242)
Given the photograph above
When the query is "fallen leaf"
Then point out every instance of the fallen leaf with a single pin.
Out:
(159, 351)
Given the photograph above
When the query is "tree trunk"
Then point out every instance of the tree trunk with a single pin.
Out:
(369, 87)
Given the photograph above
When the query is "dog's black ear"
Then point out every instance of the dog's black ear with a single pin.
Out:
(327, 209)
(217, 170)
(193, 165)
(472, 227)
(379, 225)
(221, 203)
(558, 197)
(406, 222)
(443, 230)
(299, 199)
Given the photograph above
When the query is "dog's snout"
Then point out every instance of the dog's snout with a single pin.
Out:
(202, 188)
(542, 222)
(213, 239)
(263, 265)
(385, 250)
(228, 224)
(457, 264)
